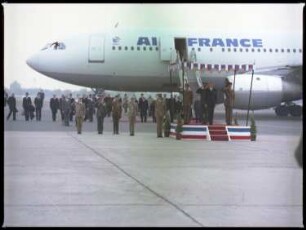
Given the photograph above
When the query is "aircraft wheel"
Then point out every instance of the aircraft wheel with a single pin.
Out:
(282, 111)
(295, 110)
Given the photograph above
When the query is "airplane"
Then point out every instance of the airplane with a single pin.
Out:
(141, 60)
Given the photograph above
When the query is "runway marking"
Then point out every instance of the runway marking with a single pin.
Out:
(138, 181)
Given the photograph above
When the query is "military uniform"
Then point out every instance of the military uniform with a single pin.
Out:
(132, 111)
(160, 109)
(116, 113)
(228, 103)
(101, 113)
(79, 115)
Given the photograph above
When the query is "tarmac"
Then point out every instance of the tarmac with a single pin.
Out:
(56, 177)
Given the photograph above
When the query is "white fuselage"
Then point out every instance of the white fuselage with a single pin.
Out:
(138, 60)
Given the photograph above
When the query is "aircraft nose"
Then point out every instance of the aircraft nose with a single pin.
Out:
(33, 62)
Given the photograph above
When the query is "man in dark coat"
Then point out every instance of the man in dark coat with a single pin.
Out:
(211, 98)
(143, 108)
(54, 106)
(203, 102)
(11, 101)
(38, 102)
(27, 107)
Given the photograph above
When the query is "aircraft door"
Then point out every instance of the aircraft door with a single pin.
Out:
(166, 47)
(96, 48)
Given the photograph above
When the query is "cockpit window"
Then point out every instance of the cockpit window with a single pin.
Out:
(55, 45)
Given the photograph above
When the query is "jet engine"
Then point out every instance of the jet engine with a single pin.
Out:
(267, 91)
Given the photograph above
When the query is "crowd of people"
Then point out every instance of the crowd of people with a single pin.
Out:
(84, 108)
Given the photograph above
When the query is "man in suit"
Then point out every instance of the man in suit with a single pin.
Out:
(54, 106)
(211, 98)
(11, 101)
(27, 104)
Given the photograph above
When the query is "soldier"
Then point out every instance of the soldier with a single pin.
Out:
(202, 91)
(27, 104)
(11, 101)
(187, 102)
(229, 97)
(101, 113)
(116, 113)
(132, 111)
(38, 105)
(79, 114)
(160, 109)
(54, 106)
(211, 98)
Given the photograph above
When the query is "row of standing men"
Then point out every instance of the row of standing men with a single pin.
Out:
(204, 109)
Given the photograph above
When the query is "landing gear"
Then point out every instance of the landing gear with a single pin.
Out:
(286, 109)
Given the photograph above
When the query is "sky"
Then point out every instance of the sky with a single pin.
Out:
(28, 27)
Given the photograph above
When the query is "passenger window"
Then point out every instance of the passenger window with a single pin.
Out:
(223, 49)
(241, 50)
(276, 50)
(150, 48)
(114, 47)
(211, 49)
(144, 48)
(252, 50)
(246, 50)
(229, 49)
(258, 50)
(300, 50)
(156, 48)
(294, 50)
(119, 47)
(126, 48)
(138, 48)
(132, 47)
(288, 50)
(235, 49)
(282, 50)
(270, 50)
(199, 49)
(264, 50)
